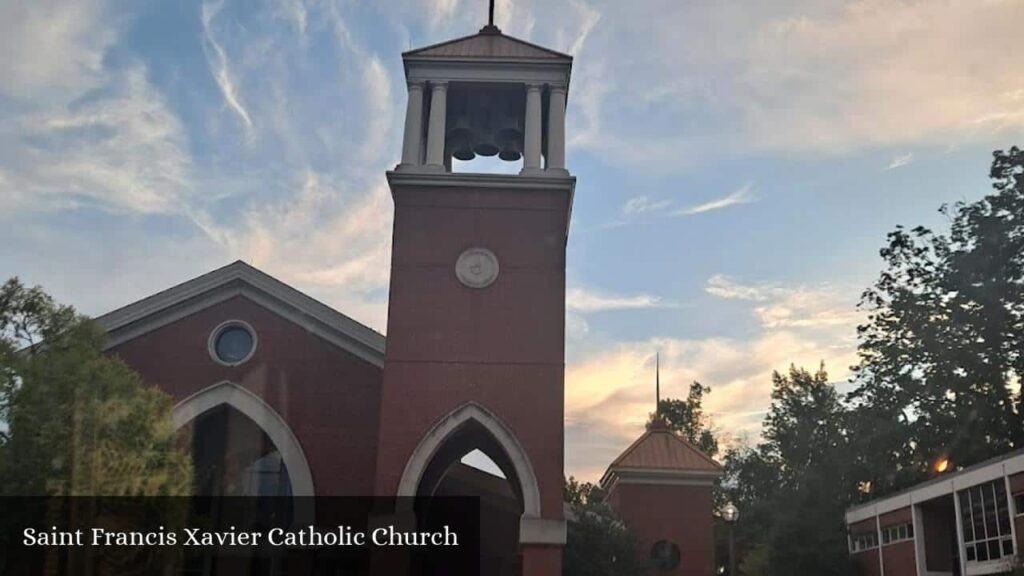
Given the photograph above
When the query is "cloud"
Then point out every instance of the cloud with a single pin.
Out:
(610, 391)
(805, 77)
(83, 134)
(217, 60)
(900, 161)
(306, 202)
(743, 195)
(584, 300)
(331, 244)
(788, 306)
(724, 287)
(642, 204)
(53, 49)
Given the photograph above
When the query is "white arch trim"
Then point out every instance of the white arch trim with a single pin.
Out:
(263, 415)
(446, 426)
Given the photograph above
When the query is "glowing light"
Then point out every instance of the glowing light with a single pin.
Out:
(942, 465)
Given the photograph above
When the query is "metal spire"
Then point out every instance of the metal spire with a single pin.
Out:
(657, 383)
(490, 28)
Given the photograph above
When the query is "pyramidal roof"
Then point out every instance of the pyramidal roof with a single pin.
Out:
(489, 43)
(661, 450)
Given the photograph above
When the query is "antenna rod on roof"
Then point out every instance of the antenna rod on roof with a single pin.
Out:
(490, 14)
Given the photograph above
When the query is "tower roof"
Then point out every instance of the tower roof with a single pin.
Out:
(661, 453)
(488, 44)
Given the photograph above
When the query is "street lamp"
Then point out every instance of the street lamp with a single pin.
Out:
(730, 513)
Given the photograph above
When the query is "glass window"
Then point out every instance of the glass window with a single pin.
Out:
(897, 533)
(665, 555)
(985, 520)
(1018, 503)
(965, 516)
(232, 343)
(864, 541)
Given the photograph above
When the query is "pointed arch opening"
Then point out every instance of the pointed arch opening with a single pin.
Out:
(246, 444)
(470, 452)
(465, 429)
(259, 413)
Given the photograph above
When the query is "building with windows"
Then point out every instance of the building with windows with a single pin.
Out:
(279, 394)
(966, 522)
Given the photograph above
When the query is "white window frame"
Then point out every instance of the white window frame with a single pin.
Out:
(985, 538)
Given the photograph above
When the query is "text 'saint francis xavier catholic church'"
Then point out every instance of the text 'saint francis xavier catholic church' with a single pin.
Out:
(281, 394)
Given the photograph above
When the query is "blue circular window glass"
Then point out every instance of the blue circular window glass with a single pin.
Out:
(234, 344)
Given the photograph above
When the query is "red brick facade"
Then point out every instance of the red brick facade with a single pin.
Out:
(330, 399)
(680, 514)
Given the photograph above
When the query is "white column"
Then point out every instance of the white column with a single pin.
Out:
(959, 530)
(917, 521)
(881, 557)
(1011, 510)
(532, 137)
(435, 130)
(556, 130)
(413, 125)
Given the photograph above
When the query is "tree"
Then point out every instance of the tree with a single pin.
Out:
(578, 493)
(793, 487)
(688, 419)
(942, 351)
(79, 422)
(598, 543)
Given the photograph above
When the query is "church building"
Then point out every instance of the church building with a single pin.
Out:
(281, 394)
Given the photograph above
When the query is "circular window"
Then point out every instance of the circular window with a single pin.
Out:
(665, 555)
(232, 343)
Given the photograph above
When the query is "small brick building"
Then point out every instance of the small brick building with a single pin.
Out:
(661, 488)
(967, 522)
(280, 394)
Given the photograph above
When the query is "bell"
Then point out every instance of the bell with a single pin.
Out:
(461, 145)
(485, 144)
(510, 138)
(511, 150)
(459, 139)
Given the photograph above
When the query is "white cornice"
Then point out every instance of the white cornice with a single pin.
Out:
(504, 70)
(421, 176)
(240, 279)
(658, 476)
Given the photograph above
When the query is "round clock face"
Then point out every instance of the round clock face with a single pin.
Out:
(477, 268)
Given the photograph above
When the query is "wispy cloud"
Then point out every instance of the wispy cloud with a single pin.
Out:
(900, 161)
(219, 66)
(586, 300)
(642, 204)
(724, 287)
(744, 195)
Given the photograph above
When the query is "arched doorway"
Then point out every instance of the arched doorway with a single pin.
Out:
(439, 467)
(241, 447)
(233, 456)
(247, 427)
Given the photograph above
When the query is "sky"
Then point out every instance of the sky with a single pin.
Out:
(739, 165)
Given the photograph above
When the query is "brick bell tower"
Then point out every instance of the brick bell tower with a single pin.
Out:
(476, 336)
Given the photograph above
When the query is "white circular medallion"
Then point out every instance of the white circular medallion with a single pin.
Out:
(477, 268)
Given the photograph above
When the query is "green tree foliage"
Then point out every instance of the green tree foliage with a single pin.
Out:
(942, 351)
(599, 544)
(78, 422)
(578, 493)
(792, 488)
(688, 419)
